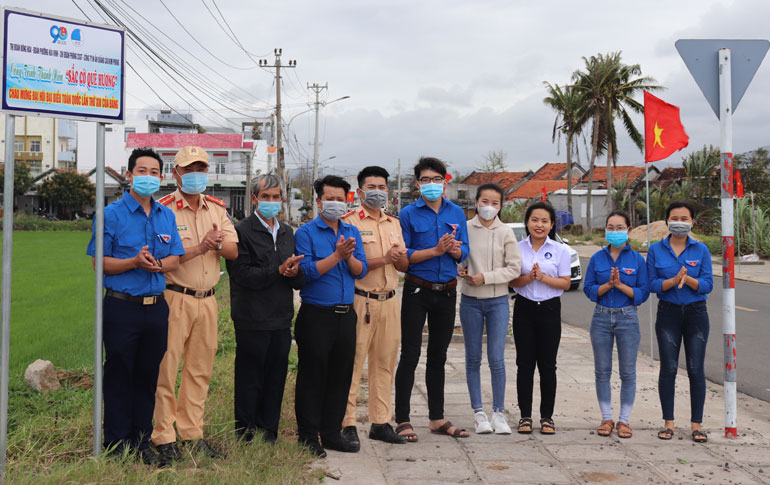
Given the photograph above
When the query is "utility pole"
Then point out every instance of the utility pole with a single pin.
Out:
(317, 88)
(279, 142)
(398, 183)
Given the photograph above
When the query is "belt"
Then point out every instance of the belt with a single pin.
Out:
(607, 309)
(376, 296)
(524, 299)
(332, 308)
(142, 300)
(430, 285)
(188, 291)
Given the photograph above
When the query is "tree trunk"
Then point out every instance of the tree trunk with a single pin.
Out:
(569, 175)
(594, 150)
(609, 202)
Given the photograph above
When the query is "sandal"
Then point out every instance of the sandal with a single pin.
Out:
(547, 427)
(666, 434)
(624, 430)
(605, 429)
(699, 436)
(444, 429)
(409, 437)
(525, 426)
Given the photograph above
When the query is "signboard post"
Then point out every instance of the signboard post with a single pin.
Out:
(723, 83)
(61, 68)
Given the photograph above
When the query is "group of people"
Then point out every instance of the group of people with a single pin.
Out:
(161, 264)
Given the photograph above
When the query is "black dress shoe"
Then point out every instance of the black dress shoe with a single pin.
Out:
(314, 446)
(338, 443)
(202, 446)
(169, 451)
(386, 433)
(350, 433)
(150, 458)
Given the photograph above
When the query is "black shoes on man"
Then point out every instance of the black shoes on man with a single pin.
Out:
(386, 433)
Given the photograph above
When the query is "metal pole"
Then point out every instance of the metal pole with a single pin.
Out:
(99, 284)
(315, 150)
(728, 242)
(399, 186)
(754, 223)
(10, 134)
(649, 304)
(738, 235)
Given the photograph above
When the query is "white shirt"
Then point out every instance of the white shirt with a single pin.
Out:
(273, 230)
(553, 259)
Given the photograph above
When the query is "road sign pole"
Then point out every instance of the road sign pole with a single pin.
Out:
(649, 303)
(99, 284)
(10, 133)
(728, 242)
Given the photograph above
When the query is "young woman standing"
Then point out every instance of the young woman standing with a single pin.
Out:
(545, 274)
(494, 260)
(616, 280)
(679, 272)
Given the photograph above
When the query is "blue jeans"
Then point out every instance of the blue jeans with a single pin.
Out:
(474, 313)
(674, 324)
(610, 325)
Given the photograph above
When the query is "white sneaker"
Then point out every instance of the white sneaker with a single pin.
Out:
(482, 423)
(500, 423)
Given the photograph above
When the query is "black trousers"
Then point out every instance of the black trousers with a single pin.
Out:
(536, 333)
(135, 338)
(418, 303)
(261, 364)
(326, 345)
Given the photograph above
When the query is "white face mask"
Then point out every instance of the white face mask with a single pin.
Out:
(333, 210)
(487, 212)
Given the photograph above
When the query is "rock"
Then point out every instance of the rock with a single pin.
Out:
(41, 376)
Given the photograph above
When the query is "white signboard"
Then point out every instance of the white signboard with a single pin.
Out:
(58, 67)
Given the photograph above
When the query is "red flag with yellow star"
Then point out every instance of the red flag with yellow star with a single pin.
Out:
(663, 130)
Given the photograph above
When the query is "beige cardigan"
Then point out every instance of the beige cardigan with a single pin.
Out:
(494, 252)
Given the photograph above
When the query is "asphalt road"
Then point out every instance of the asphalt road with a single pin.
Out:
(752, 324)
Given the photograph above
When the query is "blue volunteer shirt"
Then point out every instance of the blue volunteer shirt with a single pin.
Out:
(423, 227)
(663, 264)
(127, 229)
(316, 241)
(632, 270)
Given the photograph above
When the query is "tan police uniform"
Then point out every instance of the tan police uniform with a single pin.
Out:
(192, 319)
(378, 331)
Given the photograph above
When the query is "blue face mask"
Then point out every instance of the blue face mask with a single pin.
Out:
(432, 191)
(616, 238)
(145, 185)
(268, 210)
(194, 182)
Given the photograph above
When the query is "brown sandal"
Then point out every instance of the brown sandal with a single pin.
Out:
(605, 429)
(444, 429)
(525, 426)
(624, 430)
(409, 437)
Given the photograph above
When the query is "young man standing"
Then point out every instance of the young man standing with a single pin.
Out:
(141, 244)
(436, 238)
(207, 234)
(378, 331)
(325, 328)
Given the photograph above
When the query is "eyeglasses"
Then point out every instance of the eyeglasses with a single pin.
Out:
(435, 180)
(619, 228)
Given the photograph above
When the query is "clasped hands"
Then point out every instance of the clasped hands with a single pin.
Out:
(680, 278)
(536, 273)
(290, 267)
(146, 261)
(448, 244)
(213, 239)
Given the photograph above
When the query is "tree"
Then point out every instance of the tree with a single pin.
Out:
(700, 167)
(68, 189)
(571, 117)
(755, 174)
(22, 180)
(494, 161)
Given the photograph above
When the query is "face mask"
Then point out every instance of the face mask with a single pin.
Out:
(487, 212)
(333, 210)
(616, 238)
(375, 199)
(194, 182)
(145, 185)
(679, 229)
(268, 210)
(432, 191)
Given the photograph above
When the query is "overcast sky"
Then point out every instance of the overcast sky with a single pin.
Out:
(452, 79)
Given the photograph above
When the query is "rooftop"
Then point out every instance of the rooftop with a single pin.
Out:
(618, 173)
(551, 171)
(503, 179)
(534, 188)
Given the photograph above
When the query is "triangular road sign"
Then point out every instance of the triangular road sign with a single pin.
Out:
(700, 56)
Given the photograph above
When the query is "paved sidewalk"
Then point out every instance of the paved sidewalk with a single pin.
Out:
(575, 454)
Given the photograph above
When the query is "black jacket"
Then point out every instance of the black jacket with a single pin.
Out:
(260, 298)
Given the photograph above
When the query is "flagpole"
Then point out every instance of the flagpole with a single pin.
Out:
(649, 303)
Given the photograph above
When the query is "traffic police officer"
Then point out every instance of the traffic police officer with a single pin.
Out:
(378, 331)
(207, 233)
(141, 244)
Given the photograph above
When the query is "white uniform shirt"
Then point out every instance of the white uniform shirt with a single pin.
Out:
(272, 230)
(553, 259)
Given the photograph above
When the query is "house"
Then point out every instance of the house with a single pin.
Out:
(551, 177)
(115, 184)
(634, 173)
(44, 143)
(558, 171)
(508, 181)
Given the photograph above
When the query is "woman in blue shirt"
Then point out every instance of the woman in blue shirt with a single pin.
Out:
(616, 279)
(679, 272)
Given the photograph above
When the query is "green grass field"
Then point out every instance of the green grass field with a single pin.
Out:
(50, 435)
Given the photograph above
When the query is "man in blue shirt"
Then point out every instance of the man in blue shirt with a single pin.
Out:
(141, 243)
(325, 328)
(436, 238)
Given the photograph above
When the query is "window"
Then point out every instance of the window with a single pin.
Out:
(34, 145)
(219, 161)
(168, 162)
(35, 166)
(18, 144)
(128, 130)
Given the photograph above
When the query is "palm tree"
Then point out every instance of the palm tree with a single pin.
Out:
(571, 117)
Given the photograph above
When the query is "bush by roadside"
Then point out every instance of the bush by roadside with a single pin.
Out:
(36, 223)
